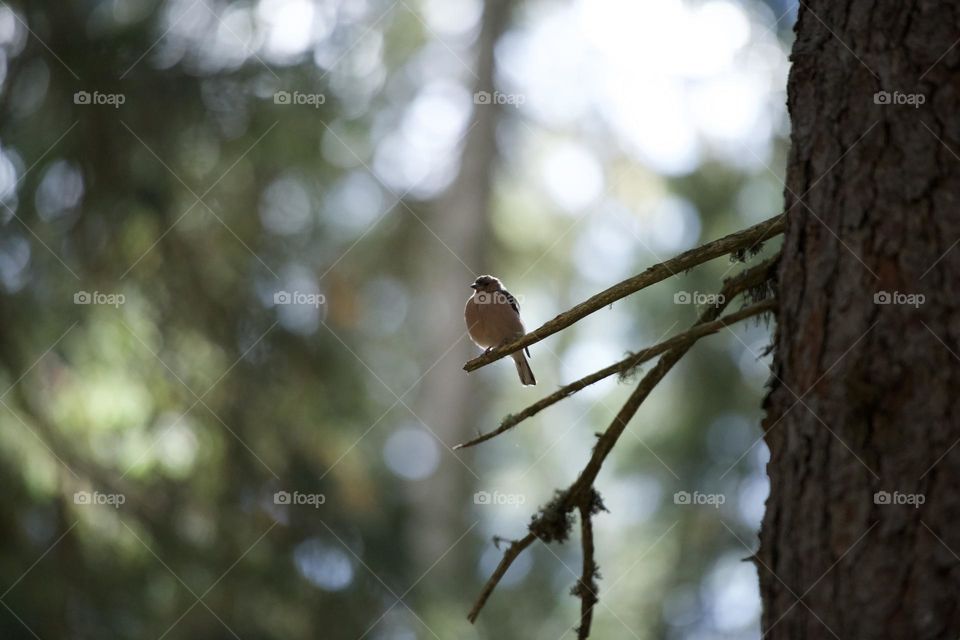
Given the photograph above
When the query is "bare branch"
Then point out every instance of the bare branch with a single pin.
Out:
(587, 589)
(687, 338)
(756, 275)
(552, 519)
(576, 494)
(747, 238)
(732, 287)
(516, 548)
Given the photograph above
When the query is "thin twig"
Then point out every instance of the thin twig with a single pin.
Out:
(728, 244)
(627, 364)
(586, 588)
(516, 548)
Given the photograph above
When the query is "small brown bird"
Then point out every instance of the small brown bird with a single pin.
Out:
(493, 319)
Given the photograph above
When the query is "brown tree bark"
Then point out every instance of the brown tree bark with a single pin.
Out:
(862, 399)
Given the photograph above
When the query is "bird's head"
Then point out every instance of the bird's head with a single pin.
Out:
(486, 283)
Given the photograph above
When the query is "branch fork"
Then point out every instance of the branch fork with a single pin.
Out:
(553, 522)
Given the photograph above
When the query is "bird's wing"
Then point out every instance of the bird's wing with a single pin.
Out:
(512, 301)
(516, 308)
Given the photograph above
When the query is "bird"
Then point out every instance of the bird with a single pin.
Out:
(493, 319)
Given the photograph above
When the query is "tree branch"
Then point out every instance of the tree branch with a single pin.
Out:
(732, 287)
(552, 521)
(687, 338)
(587, 589)
(757, 275)
(516, 548)
(747, 238)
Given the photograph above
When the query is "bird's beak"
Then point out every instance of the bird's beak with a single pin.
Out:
(474, 286)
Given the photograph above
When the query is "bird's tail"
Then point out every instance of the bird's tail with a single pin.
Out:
(523, 368)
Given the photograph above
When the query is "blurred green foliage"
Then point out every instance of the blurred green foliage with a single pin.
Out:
(169, 168)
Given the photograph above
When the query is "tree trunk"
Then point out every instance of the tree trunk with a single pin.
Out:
(446, 400)
(862, 396)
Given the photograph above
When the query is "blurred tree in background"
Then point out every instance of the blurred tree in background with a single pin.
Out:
(236, 242)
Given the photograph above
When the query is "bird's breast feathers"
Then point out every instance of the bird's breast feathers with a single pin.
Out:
(492, 320)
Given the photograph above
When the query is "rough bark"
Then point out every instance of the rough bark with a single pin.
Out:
(871, 207)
